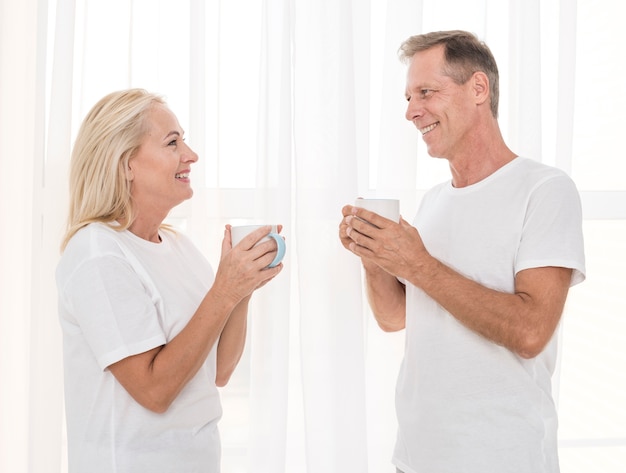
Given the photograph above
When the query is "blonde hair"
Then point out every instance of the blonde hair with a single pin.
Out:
(108, 138)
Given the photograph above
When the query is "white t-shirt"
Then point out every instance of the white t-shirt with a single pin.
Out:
(465, 404)
(120, 295)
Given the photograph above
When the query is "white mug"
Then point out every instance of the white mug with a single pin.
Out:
(388, 208)
(238, 232)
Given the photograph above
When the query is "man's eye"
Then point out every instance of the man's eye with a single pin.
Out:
(425, 93)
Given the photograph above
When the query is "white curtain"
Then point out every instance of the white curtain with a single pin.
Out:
(295, 107)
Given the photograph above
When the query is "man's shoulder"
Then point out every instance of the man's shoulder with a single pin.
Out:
(533, 167)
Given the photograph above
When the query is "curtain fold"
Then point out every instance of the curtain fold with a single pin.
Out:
(271, 311)
(53, 133)
(21, 165)
(295, 109)
(32, 199)
(327, 76)
(566, 85)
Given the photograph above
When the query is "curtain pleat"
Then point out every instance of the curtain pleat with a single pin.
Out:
(21, 164)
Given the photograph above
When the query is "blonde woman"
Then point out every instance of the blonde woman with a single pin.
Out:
(149, 330)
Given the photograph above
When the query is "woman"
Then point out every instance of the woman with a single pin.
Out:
(149, 331)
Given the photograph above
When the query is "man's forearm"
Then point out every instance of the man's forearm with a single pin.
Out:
(387, 298)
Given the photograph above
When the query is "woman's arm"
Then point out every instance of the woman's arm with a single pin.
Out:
(155, 378)
(231, 343)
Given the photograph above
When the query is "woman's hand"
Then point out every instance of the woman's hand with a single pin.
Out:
(243, 268)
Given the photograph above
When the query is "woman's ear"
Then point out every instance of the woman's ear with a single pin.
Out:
(128, 171)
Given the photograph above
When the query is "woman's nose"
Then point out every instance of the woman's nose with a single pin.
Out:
(189, 155)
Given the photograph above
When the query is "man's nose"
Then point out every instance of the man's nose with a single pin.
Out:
(413, 110)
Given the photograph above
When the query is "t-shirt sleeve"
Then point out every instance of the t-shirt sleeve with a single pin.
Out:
(552, 232)
(113, 309)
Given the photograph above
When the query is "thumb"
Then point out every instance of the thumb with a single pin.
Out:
(226, 242)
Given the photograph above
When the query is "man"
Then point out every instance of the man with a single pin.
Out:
(479, 281)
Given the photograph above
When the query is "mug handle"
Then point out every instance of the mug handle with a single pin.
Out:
(281, 247)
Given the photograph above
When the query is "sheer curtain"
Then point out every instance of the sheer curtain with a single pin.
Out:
(295, 107)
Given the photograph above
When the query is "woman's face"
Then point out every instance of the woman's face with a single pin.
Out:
(159, 171)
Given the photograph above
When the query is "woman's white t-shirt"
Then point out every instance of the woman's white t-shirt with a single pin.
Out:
(120, 295)
(465, 404)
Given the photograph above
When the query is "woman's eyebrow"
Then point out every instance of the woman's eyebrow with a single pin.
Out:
(172, 133)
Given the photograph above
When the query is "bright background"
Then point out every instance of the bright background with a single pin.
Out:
(295, 108)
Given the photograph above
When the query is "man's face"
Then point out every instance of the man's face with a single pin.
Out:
(440, 109)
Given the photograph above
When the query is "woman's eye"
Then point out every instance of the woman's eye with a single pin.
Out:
(176, 141)
(426, 93)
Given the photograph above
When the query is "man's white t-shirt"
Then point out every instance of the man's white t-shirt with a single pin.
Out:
(120, 295)
(465, 404)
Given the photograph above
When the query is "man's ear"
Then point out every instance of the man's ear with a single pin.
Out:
(480, 86)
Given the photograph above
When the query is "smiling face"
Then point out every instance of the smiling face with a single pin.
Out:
(159, 171)
(442, 110)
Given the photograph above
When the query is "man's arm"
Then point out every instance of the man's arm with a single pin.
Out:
(386, 296)
(523, 321)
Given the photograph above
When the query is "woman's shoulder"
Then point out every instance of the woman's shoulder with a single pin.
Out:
(93, 241)
(95, 238)
(87, 246)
